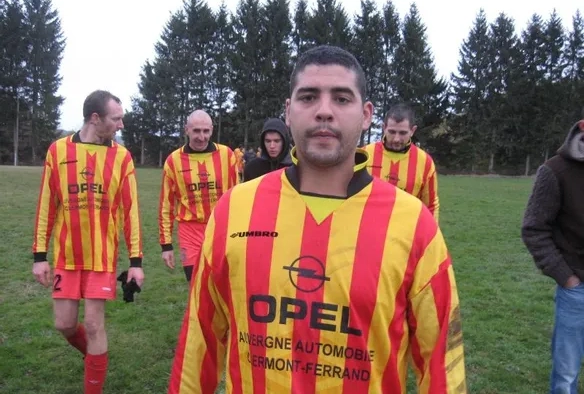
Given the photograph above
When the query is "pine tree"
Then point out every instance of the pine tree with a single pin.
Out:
(328, 24)
(43, 62)
(417, 82)
(469, 88)
(367, 48)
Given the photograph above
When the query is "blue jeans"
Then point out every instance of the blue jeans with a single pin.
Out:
(567, 340)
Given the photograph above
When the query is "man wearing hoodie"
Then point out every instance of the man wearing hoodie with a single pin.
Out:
(553, 231)
(275, 148)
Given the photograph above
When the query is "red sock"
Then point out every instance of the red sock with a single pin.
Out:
(79, 339)
(95, 371)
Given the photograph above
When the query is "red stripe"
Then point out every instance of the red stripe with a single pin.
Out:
(222, 184)
(221, 214)
(442, 298)
(414, 344)
(314, 251)
(391, 376)
(53, 188)
(109, 165)
(429, 182)
(393, 176)
(259, 263)
(42, 192)
(186, 177)
(90, 159)
(412, 169)
(365, 277)
(204, 190)
(179, 353)
(206, 314)
(75, 231)
(377, 161)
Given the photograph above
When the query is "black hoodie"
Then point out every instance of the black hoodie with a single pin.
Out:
(553, 224)
(265, 164)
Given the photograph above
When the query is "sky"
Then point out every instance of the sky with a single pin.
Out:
(108, 41)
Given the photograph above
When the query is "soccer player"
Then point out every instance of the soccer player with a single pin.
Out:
(319, 278)
(553, 232)
(88, 191)
(194, 177)
(238, 152)
(275, 148)
(398, 161)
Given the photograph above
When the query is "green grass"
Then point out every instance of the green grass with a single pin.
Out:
(506, 304)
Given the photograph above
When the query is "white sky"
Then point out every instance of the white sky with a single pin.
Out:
(108, 41)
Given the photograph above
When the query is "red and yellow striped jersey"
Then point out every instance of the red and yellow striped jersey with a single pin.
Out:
(412, 171)
(87, 192)
(192, 183)
(303, 302)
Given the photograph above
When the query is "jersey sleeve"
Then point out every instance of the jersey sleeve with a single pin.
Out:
(232, 172)
(434, 323)
(130, 206)
(199, 355)
(429, 192)
(45, 213)
(166, 208)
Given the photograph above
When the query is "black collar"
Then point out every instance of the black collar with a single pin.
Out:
(211, 147)
(361, 178)
(77, 140)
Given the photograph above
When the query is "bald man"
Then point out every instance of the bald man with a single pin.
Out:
(194, 177)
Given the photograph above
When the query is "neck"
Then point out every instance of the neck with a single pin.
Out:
(330, 181)
(87, 134)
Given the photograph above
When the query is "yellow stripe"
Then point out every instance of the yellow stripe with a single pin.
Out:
(339, 267)
(239, 220)
(290, 222)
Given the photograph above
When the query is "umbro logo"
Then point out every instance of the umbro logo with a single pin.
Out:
(246, 234)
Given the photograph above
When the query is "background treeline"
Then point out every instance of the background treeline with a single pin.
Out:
(505, 109)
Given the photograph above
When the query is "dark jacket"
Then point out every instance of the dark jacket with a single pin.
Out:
(262, 165)
(553, 224)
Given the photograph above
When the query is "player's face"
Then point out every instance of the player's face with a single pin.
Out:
(398, 134)
(199, 131)
(326, 115)
(108, 125)
(273, 143)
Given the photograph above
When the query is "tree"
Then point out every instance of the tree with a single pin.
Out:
(417, 82)
(328, 24)
(46, 46)
(367, 48)
(469, 88)
(14, 46)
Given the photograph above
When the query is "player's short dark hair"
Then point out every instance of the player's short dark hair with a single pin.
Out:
(399, 113)
(326, 55)
(96, 102)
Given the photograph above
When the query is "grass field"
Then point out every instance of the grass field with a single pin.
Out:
(506, 304)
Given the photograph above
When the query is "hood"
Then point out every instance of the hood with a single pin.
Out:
(573, 146)
(278, 126)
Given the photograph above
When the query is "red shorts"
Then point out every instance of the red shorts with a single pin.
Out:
(190, 241)
(75, 285)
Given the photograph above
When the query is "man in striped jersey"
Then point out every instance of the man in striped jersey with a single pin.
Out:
(319, 278)
(194, 177)
(88, 191)
(398, 161)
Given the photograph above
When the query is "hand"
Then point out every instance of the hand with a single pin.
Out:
(168, 257)
(572, 282)
(42, 272)
(137, 274)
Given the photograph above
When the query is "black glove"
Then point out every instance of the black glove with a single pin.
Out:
(128, 288)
